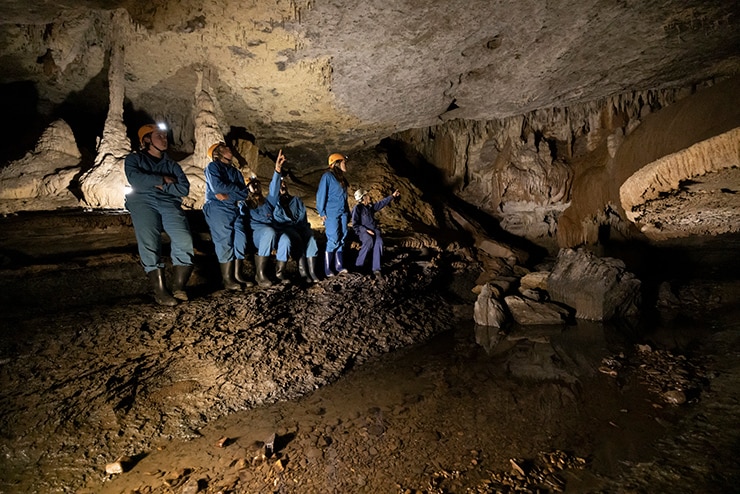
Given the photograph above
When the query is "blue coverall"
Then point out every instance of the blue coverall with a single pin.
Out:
(331, 202)
(223, 217)
(363, 219)
(293, 226)
(263, 233)
(154, 210)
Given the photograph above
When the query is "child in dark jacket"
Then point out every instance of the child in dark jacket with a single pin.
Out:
(365, 227)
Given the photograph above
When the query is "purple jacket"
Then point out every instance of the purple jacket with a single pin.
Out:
(363, 217)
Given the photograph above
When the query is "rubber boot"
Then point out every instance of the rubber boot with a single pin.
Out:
(302, 267)
(161, 295)
(260, 264)
(181, 275)
(239, 273)
(227, 275)
(305, 271)
(340, 262)
(311, 270)
(281, 272)
(328, 261)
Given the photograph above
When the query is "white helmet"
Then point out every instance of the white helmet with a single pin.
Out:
(359, 194)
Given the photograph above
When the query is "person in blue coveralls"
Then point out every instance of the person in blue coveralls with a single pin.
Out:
(295, 234)
(366, 228)
(260, 209)
(225, 190)
(158, 185)
(331, 203)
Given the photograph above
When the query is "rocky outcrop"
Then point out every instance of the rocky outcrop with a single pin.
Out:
(691, 192)
(104, 186)
(598, 288)
(597, 206)
(488, 311)
(45, 175)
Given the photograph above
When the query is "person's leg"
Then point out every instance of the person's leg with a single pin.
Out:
(312, 248)
(367, 245)
(264, 240)
(220, 223)
(333, 233)
(181, 242)
(148, 230)
(242, 234)
(343, 230)
(284, 243)
(377, 252)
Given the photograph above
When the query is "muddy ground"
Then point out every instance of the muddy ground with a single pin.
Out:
(351, 385)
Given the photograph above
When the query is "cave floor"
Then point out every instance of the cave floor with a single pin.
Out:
(350, 385)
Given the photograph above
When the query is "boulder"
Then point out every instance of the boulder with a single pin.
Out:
(530, 312)
(488, 311)
(598, 288)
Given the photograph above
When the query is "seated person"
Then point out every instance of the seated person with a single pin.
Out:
(295, 234)
(366, 228)
(259, 210)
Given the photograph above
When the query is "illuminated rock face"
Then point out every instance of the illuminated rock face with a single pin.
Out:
(522, 107)
(42, 179)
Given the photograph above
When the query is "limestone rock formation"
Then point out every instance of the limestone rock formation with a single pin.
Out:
(488, 311)
(597, 288)
(44, 175)
(105, 184)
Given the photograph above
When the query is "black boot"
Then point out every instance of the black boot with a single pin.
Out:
(302, 267)
(260, 264)
(305, 271)
(312, 278)
(161, 295)
(181, 275)
(281, 273)
(227, 275)
(328, 261)
(340, 262)
(239, 273)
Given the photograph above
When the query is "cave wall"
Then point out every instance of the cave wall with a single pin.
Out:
(553, 175)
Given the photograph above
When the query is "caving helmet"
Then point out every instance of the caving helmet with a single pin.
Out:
(147, 129)
(334, 157)
(359, 194)
(213, 148)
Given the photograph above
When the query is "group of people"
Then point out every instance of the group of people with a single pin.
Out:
(237, 212)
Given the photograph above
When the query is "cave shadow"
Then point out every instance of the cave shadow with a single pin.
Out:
(438, 191)
(133, 119)
(240, 134)
(85, 112)
(23, 124)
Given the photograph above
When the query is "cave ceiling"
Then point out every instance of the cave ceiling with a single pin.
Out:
(331, 73)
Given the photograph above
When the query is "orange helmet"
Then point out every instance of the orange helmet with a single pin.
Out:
(333, 158)
(213, 148)
(145, 130)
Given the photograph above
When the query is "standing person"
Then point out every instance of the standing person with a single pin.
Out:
(295, 233)
(225, 189)
(158, 185)
(260, 210)
(331, 202)
(366, 228)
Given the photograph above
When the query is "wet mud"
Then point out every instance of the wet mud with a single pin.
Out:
(350, 385)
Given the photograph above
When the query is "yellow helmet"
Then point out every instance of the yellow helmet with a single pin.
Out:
(333, 158)
(145, 130)
(213, 148)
